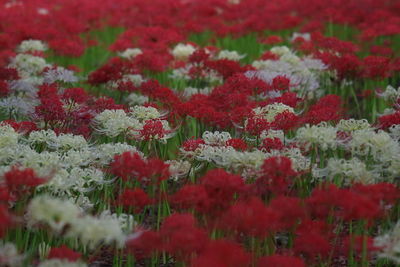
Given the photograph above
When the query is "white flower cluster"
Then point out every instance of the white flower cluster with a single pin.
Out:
(72, 166)
(390, 94)
(113, 123)
(9, 255)
(135, 79)
(304, 73)
(130, 53)
(231, 55)
(189, 91)
(134, 99)
(216, 151)
(389, 244)
(270, 111)
(29, 66)
(183, 51)
(208, 75)
(350, 171)
(322, 135)
(61, 263)
(91, 231)
(178, 168)
(31, 46)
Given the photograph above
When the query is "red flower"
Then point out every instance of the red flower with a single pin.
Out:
(221, 188)
(269, 144)
(181, 237)
(192, 144)
(130, 165)
(250, 217)
(281, 83)
(387, 121)
(143, 243)
(220, 253)
(135, 198)
(152, 129)
(18, 178)
(276, 174)
(6, 220)
(289, 210)
(281, 261)
(64, 252)
(191, 196)
(237, 143)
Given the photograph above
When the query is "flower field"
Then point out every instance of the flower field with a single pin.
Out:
(199, 133)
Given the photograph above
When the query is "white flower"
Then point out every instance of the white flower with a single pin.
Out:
(269, 112)
(28, 65)
(280, 50)
(231, 55)
(353, 171)
(216, 138)
(9, 255)
(105, 153)
(183, 51)
(31, 45)
(42, 137)
(130, 53)
(134, 99)
(92, 231)
(114, 122)
(69, 141)
(59, 74)
(8, 136)
(178, 169)
(273, 134)
(55, 212)
(389, 244)
(306, 36)
(142, 113)
(351, 125)
(322, 135)
(61, 263)
(126, 221)
(390, 93)
(379, 144)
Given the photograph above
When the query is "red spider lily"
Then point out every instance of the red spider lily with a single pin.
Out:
(280, 260)
(269, 144)
(6, 220)
(181, 237)
(221, 188)
(281, 83)
(51, 108)
(20, 181)
(143, 243)
(312, 239)
(152, 129)
(222, 253)
(24, 127)
(64, 252)
(276, 175)
(131, 165)
(76, 95)
(250, 217)
(191, 196)
(386, 121)
(290, 211)
(328, 108)
(4, 89)
(135, 198)
(237, 144)
(192, 144)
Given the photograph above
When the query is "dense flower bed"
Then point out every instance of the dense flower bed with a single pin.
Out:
(218, 133)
